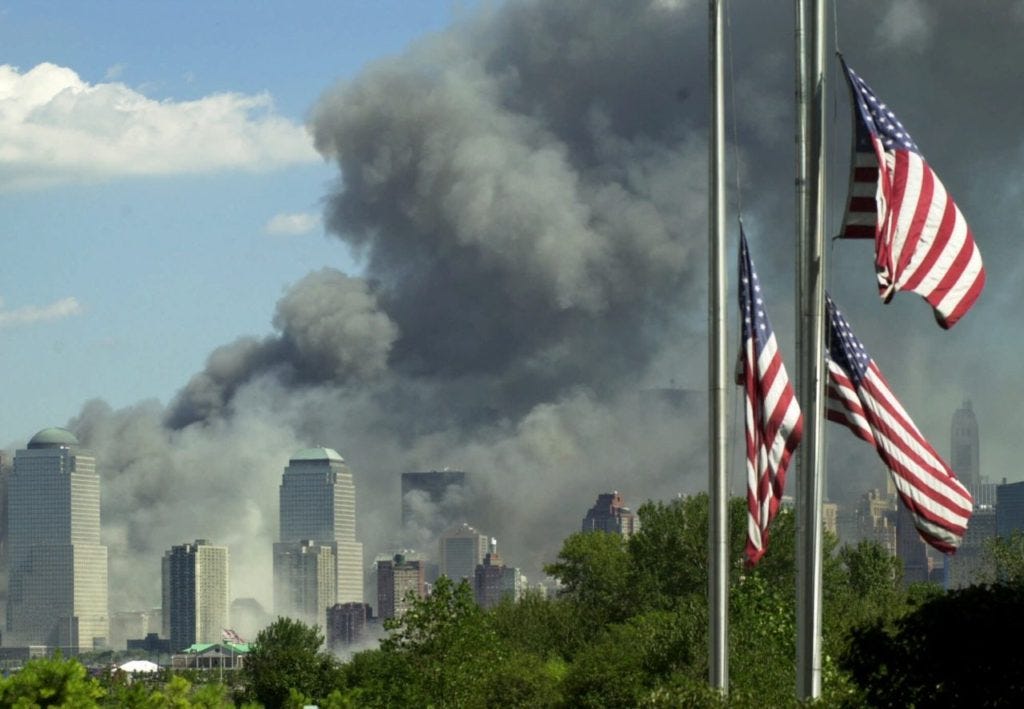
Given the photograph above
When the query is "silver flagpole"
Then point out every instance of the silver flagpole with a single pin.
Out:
(718, 489)
(810, 40)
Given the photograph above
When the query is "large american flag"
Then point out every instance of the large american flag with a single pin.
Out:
(773, 421)
(922, 242)
(859, 397)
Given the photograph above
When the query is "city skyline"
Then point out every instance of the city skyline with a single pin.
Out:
(475, 253)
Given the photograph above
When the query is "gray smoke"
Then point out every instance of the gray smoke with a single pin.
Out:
(527, 193)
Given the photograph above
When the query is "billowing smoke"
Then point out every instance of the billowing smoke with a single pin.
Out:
(527, 193)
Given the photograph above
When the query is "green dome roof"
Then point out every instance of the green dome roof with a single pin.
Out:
(318, 454)
(53, 438)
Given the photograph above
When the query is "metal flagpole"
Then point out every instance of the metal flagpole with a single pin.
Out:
(810, 255)
(718, 492)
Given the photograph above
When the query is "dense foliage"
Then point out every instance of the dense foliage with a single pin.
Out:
(628, 629)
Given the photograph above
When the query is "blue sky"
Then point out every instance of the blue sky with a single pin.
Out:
(126, 259)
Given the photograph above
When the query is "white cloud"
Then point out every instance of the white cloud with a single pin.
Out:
(292, 224)
(58, 128)
(58, 310)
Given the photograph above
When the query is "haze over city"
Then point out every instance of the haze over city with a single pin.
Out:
(446, 235)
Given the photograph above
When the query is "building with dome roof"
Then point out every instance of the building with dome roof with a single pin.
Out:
(57, 583)
(317, 537)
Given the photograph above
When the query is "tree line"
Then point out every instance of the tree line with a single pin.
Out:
(629, 628)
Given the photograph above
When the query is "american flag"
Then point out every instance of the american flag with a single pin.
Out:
(859, 397)
(229, 635)
(922, 242)
(773, 421)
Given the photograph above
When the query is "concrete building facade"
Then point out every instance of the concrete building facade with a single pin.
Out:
(57, 582)
(195, 593)
(305, 585)
(610, 514)
(396, 578)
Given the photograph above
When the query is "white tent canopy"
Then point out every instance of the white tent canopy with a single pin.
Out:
(133, 666)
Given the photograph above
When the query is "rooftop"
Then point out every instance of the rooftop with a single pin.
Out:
(319, 453)
(53, 438)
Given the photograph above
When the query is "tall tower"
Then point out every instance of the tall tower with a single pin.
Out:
(610, 514)
(195, 593)
(57, 587)
(318, 506)
(965, 450)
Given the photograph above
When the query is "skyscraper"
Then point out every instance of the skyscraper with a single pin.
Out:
(965, 448)
(305, 585)
(57, 585)
(610, 514)
(195, 593)
(493, 581)
(318, 506)
(462, 549)
(395, 579)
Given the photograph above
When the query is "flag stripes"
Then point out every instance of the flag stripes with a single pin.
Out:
(922, 241)
(859, 397)
(772, 417)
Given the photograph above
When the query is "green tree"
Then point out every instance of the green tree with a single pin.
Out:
(285, 656)
(1005, 555)
(944, 653)
(52, 682)
(594, 570)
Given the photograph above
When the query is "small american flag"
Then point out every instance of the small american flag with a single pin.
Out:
(773, 421)
(229, 635)
(922, 242)
(859, 397)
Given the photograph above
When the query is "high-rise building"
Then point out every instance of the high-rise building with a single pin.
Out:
(396, 578)
(1009, 508)
(305, 583)
(195, 593)
(57, 583)
(910, 547)
(440, 488)
(346, 624)
(965, 449)
(461, 550)
(610, 514)
(318, 506)
(493, 581)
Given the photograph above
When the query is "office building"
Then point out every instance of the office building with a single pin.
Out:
(318, 506)
(964, 456)
(494, 582)
(195, 594)
(1009, 508)
(396, 579)
(57, 582)
(910, 547)
(305, 585)
(461, 550)
(971, 564)
(347, 624)
(610, 514)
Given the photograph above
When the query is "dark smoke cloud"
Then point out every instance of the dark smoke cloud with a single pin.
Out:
(527, 192)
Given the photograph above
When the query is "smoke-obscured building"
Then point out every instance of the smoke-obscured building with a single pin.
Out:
(396, 579)
(461, 549)
(318, 505)
(347, 624)
(965, 448)
(57, 583)
(494, 582)
(910, 547)
(305, 585)
(195, 594)
(610, 514)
